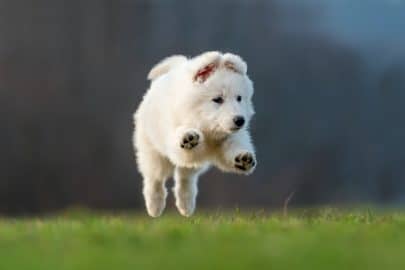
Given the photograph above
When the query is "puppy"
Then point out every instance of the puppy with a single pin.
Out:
(195, 114)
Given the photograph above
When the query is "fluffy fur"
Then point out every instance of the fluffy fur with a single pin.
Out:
(187, 121)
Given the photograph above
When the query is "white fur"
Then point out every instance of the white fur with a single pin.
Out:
(179, 104)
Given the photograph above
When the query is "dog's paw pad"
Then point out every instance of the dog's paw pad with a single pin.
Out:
(245, 161)
(190, 140)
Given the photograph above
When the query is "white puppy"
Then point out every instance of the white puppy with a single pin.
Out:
(196, 113)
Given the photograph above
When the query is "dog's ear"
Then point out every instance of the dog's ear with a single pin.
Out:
(234, 63)
(205, 65)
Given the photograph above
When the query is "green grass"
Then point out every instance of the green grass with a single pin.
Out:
(325, 239)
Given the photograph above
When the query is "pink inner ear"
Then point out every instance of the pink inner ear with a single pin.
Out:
(203, 74)
(231, 66)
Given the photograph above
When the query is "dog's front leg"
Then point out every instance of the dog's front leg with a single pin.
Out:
(237, 154)
(189, 138)
(186, 146)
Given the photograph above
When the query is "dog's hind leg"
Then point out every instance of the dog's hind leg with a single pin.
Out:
(185, 189)
(154, 192)
(154, 179)
(155, 170)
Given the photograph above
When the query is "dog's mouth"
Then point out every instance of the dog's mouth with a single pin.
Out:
(234, 129)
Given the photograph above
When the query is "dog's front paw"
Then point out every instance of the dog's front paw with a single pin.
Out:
(245, 162)
(190, 140)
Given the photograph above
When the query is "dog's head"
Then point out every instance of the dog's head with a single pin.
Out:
(221, 94)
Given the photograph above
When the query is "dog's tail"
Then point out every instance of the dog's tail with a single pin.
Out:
(165, 65)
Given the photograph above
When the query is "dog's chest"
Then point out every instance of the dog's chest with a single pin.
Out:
(214, 144)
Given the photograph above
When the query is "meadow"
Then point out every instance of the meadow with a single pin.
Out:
(306, 239)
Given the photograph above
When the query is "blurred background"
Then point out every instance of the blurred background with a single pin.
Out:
(330, 90)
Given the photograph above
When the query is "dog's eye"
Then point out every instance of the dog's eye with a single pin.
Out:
(218, 100)
(239, 98)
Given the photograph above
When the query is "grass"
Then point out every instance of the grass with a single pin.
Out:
(323, 239)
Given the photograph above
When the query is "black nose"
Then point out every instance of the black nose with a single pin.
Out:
(239, 121)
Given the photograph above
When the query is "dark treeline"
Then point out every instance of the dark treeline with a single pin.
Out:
(329, 123)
